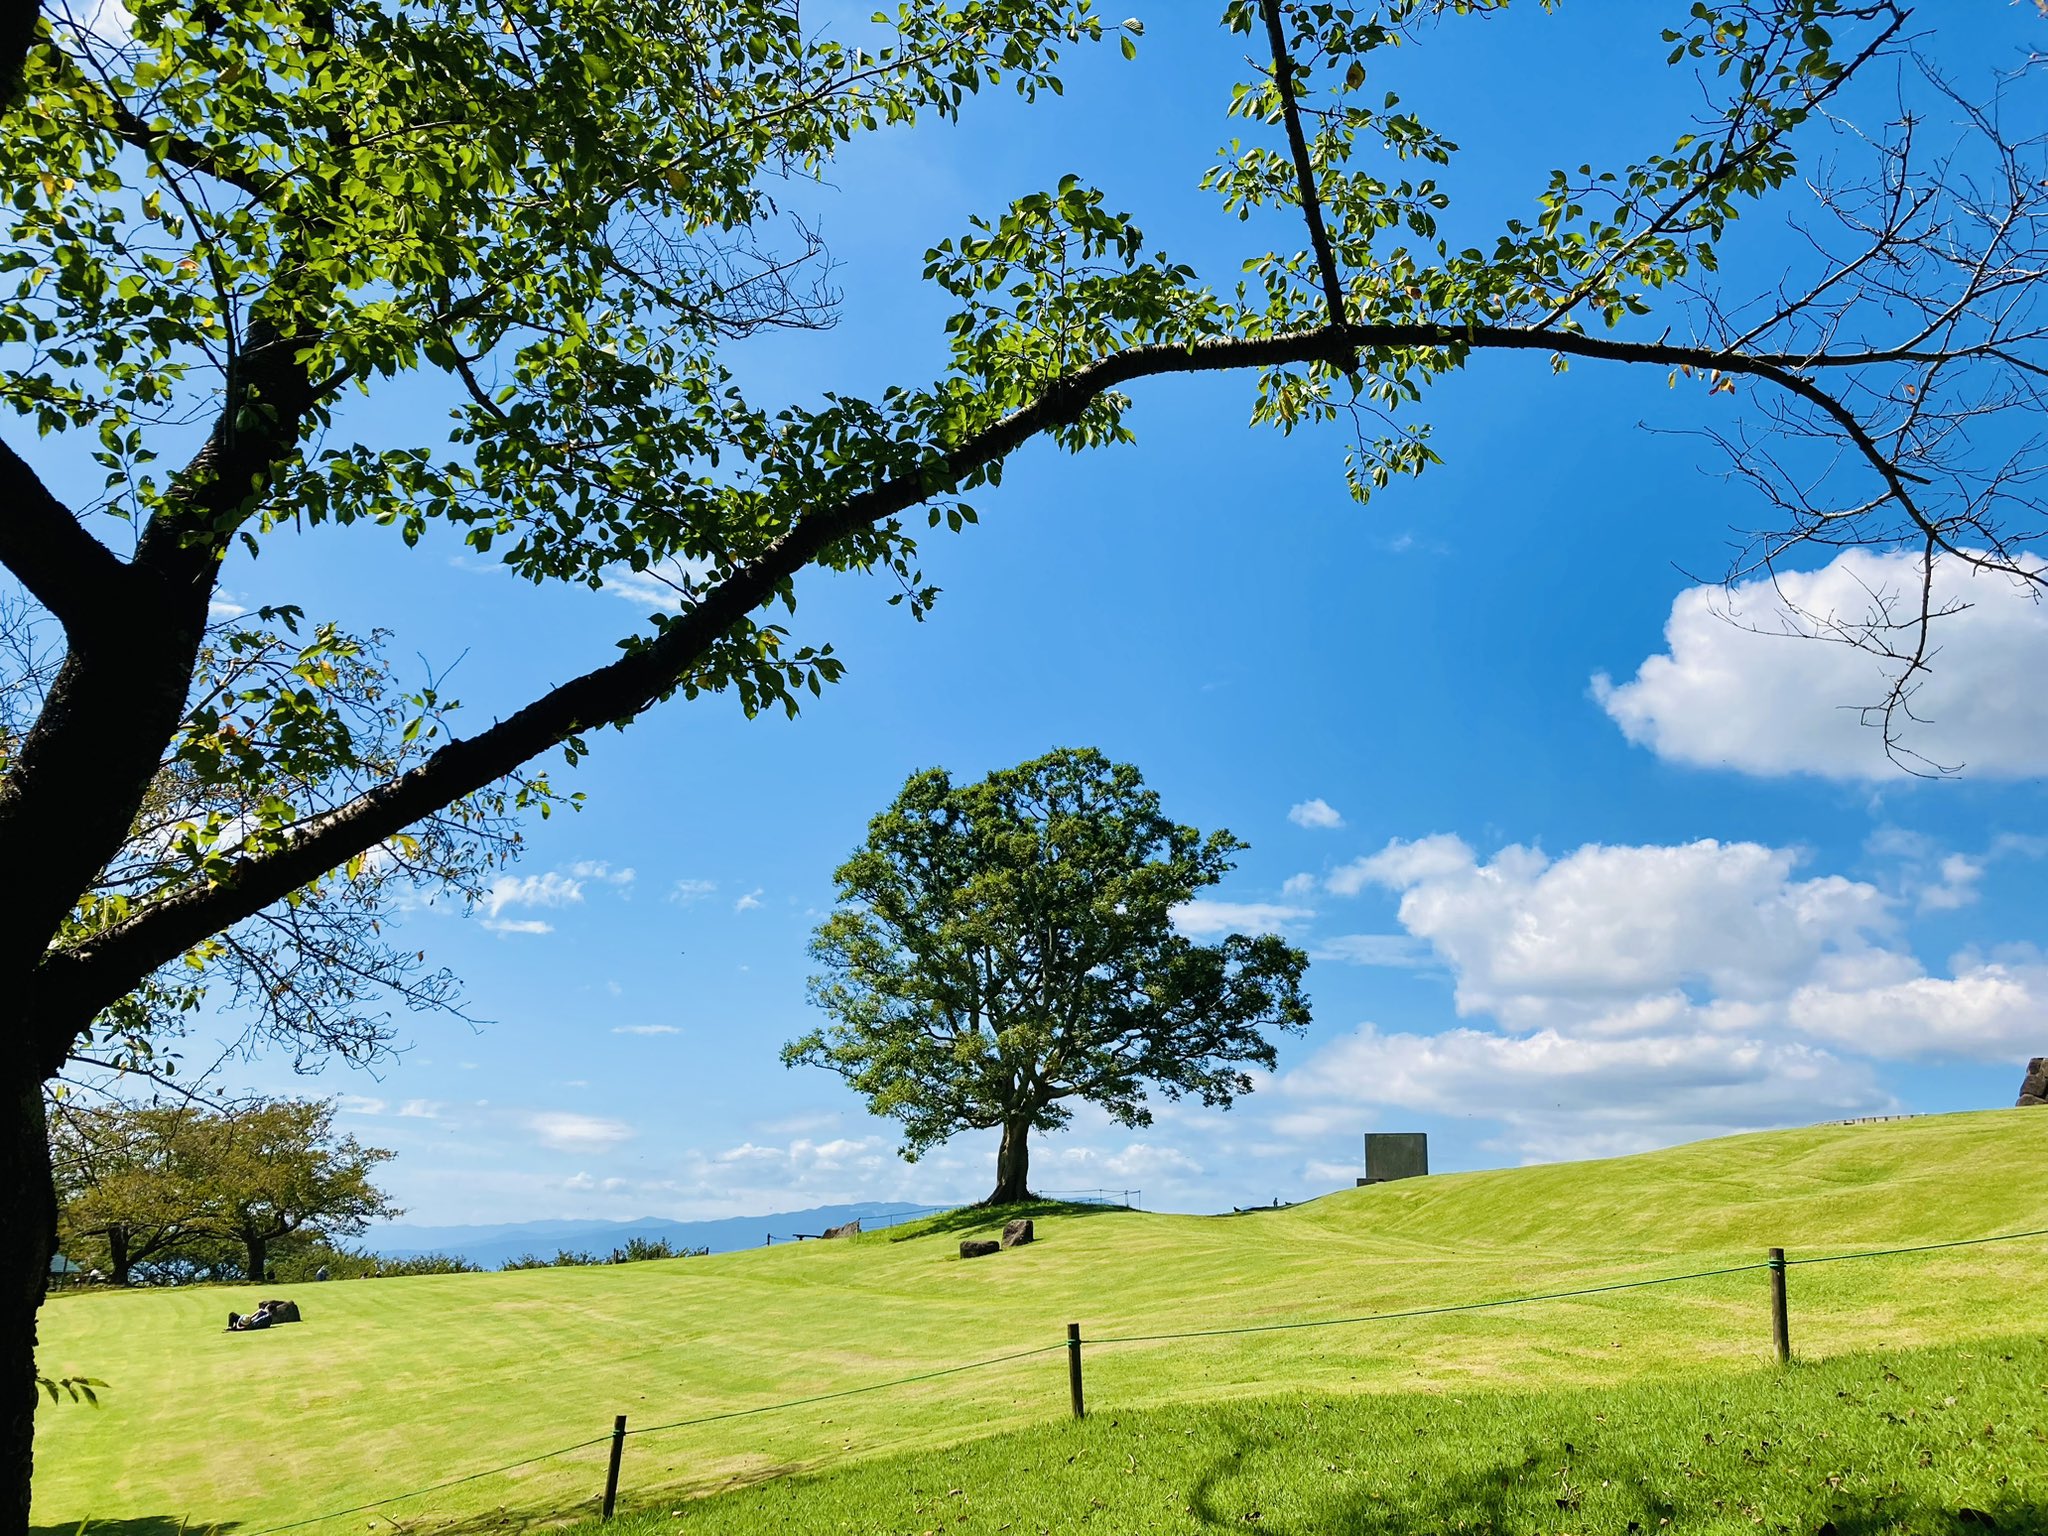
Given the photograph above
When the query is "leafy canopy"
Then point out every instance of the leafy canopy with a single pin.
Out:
(155, 1183)
(556, 217)
(1006, 947)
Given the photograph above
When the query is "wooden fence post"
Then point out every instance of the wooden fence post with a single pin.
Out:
(611, 1476)
(1074, 1366)
(1781, 1324)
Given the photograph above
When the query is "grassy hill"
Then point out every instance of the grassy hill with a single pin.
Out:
(396, 1384)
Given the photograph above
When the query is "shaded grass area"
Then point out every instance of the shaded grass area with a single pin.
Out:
(395, 1385)
(1944, 1442)
(968, 1220)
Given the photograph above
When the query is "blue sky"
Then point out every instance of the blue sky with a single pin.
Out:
(1559, 904)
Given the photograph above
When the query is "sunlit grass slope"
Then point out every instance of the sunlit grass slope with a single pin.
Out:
(1946, 1441)
(391, 1385)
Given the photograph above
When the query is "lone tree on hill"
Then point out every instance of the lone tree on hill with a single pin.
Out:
(221, 221)
(1007, 947)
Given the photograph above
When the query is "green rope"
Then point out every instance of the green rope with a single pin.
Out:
(453, 1482)
(1885, 1253)
(1387, 1317)
(826, 1397)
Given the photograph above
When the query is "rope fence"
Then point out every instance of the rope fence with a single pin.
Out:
(880, 1222)
(1777, 1265)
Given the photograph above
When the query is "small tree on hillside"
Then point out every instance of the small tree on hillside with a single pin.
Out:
(129, 1183)
(1006, 947)
(279, 1169)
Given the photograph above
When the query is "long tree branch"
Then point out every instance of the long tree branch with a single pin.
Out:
(66, 569)
(160, 143)
(73, 984)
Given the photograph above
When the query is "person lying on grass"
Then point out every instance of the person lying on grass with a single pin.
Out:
(266, 1313)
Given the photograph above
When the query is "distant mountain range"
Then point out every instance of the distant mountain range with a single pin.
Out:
(491, 1246)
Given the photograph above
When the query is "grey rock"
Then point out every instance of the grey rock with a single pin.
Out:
(1017, 1233)
(849, 1229)
(978, 1247)
(2035, 1089)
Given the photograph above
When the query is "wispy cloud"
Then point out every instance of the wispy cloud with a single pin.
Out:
(1396, 949)
(567, 1131)
(518, 925)
(549, 890)
(691, 890)
(666, 587)
(748, 902)
(1206, 919)
(601, 871)
(645, 1029)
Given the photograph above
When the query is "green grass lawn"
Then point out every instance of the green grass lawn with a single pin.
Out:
(396, 1384)
(1930, 1442)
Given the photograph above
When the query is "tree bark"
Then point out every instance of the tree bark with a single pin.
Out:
(117, 1253)
(259, 1253)
(17, 37)
(28, 1238)
(1013, 1163)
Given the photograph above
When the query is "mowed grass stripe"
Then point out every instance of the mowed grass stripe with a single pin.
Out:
(397, 1384)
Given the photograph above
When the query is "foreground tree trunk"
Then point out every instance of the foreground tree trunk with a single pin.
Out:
(259, 1255)
(28, 1238)
(1013, 1163)
(117, 1254)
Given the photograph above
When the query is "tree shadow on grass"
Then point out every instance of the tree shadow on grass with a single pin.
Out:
(990, 1218)
(1510, 1495)
(137, 1525)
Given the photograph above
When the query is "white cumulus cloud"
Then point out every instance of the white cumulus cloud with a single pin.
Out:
(1318, 814)
(1641, 995)
(1558, 1095)
(1739, 685)
(1534, 940)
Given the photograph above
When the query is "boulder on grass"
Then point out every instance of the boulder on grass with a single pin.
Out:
(2035, 1089)
(851, 1229)
(1017, 1233)
(282, 1311)
(978, 1247)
